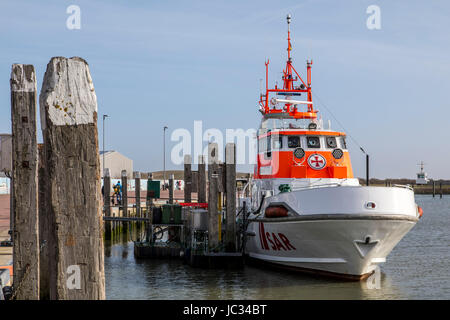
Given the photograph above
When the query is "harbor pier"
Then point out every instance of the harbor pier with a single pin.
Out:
(203, 234)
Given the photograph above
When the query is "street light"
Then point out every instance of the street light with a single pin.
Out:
(164, 154)
(104, 117)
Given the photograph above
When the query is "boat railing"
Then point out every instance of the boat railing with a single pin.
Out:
(406, 186)
(245, 187)
(317, 184)
(337, 184)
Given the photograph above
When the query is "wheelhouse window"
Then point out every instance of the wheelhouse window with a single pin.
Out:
(277, 142)
(293, 141)
(313, 142)
(331, 142)
(343, 143)
(262, 144)
(265, 147)
(268, 153)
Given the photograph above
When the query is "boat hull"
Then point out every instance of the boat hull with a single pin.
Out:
(344, 245)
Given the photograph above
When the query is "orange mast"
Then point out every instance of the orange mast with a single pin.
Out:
(289, 110)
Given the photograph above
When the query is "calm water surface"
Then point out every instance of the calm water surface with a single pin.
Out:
(418, 268)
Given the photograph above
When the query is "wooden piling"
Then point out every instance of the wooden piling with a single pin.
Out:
(213, 217)
(124, 180)
(149, 211)
(107, 202)
(187, 179)
(434, 188)
(171, 189)
(137, 188)
(149, 199)
(201, 183)
(440, 189)
(68, 105)
(45, 223)
(25, 179)
(230, 178)
(124, 203)
(194, 186)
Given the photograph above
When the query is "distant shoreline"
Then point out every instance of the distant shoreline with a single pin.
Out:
(418, 189)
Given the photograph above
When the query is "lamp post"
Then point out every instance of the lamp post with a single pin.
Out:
(104, 117)
(164, 154)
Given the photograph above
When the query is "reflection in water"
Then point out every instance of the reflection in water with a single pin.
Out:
(416, 269)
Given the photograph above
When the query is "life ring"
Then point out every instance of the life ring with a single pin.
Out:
(316, 161)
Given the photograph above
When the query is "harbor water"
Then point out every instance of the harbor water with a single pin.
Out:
(417, 268)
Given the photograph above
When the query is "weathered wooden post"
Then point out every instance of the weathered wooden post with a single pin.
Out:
(107, 201)
(45, 224)
(25, 179)
(187, 179)
(137, 188)
(149, 202)
(194, 185)
(213, 217)
(149, 198)
(220, 196)
(68, 105)
(171, 189)
(124, 202)
(230, 162)
(201, 185)
(440, 189)
(124, 193)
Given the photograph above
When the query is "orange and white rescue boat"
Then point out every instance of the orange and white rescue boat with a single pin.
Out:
(308, 210)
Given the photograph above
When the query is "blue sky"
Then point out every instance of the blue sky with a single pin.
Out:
(157, 63)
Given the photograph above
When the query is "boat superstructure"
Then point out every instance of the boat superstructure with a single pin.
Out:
(422, 177)
(308, 210)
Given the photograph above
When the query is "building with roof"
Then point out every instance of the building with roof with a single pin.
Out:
(116, 162)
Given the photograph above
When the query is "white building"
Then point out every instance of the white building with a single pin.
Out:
(5, 162)
(5, 153)
(116, 162)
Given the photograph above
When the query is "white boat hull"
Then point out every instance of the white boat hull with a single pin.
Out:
(343, 242)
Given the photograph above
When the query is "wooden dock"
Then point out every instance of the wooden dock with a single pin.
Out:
(218, 247)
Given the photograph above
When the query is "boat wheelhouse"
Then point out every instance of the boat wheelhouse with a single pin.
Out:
(422, 177)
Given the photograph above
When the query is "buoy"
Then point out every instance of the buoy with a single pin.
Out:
(276, 212)
(420, 210)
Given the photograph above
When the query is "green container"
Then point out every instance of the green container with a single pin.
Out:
(171, 214)
(153, 189)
